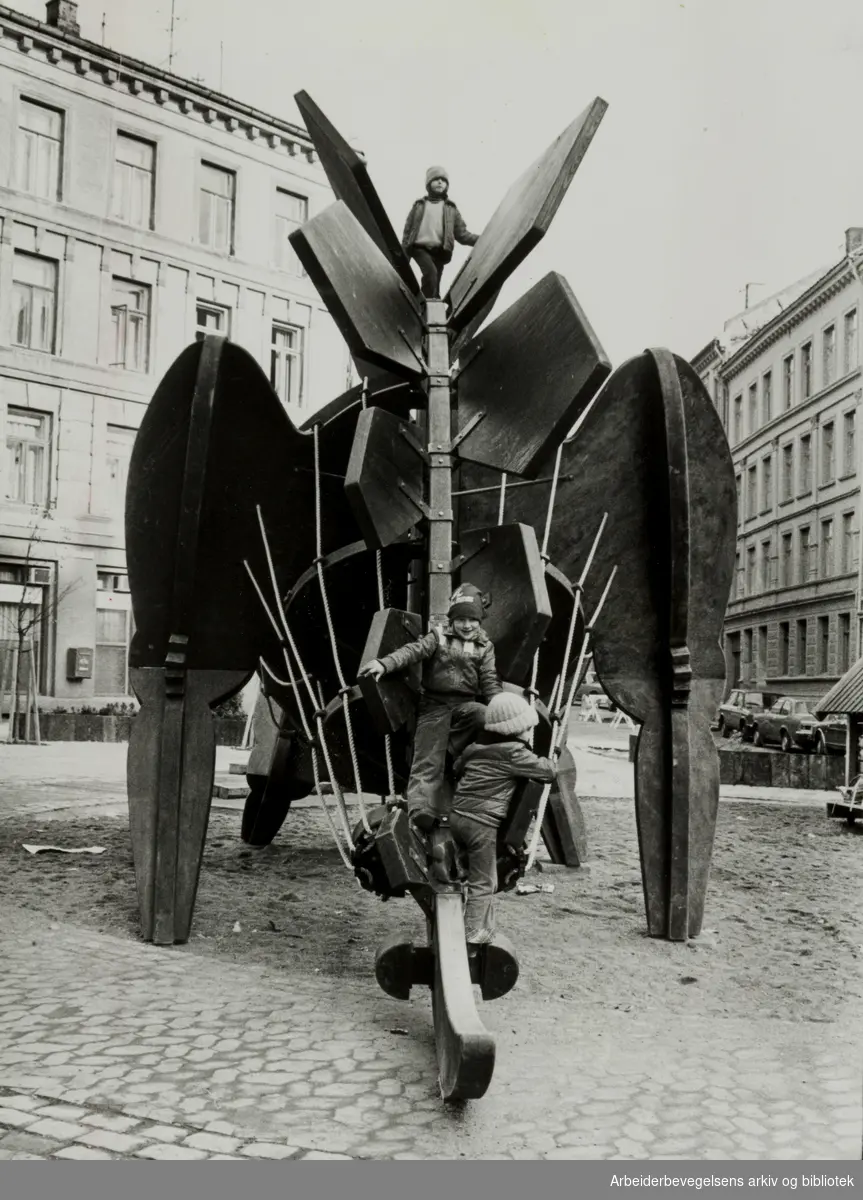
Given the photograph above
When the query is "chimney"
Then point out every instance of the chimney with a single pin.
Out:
(63, 14)
(853, 239)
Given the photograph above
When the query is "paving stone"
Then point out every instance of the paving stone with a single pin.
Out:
(11, 1116)
(268, 1150)
(113, 1121)
(322, 1154)
(164, 1152)
(62, 1131)
(23, 1142)
(82, 1153)
(20, 1102)
(63, 1112)
(107, 1139)
(216, 1142)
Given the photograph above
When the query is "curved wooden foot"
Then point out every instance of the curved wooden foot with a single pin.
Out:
(465, 1048)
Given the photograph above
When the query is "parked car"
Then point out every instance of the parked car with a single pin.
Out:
(738, 712)
(789, 723)
(830, 734)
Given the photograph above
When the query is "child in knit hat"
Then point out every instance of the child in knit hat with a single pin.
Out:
(433, 226)
(488, 772)
(459, 672)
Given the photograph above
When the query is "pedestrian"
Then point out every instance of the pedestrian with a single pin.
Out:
(433, 227)
(487, 775)
(459, 678)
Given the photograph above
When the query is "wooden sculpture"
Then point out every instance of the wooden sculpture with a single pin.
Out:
(303, 553)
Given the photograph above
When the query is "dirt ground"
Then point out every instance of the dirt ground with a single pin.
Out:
(783, 932)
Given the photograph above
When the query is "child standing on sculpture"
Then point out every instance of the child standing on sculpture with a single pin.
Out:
(488, 773)
(433, 226)
(459, 672)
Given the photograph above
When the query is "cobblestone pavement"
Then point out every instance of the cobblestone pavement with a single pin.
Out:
(115, 1049)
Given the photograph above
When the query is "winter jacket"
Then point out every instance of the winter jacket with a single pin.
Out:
(452, 667)
(454, 228)
(489, 770)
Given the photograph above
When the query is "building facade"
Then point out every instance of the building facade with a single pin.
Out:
(790, 398)
(138, 211)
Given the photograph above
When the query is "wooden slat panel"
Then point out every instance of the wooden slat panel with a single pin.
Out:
(382, 462)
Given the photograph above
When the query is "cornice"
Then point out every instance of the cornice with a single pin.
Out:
(145, 82)
(818, 295)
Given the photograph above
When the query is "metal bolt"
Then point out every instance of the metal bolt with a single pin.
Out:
(440, 566)
(440, 512)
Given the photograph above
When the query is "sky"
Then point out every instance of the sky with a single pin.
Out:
(730, 152)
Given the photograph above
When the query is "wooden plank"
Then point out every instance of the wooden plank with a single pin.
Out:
(375, 312)
(531, 372)
(392, 700)
(551, 652)
(522, 218)
(508, 566)
(350, 180)
(384, 472)
(565, 815)
(465, 1048)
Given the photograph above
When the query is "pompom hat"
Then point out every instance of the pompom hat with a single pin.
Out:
(509, 713)
(466, 601)
(436, 173)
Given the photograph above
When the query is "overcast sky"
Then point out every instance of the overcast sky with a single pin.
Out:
(730, 152)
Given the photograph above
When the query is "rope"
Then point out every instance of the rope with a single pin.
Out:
(544, 549)
(343, 687)
(502, 504)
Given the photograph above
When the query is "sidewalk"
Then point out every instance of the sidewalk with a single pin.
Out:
(158, 1054)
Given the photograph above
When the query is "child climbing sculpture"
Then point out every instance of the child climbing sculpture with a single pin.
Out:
(488, 772)
(433, 226)
(459, 673)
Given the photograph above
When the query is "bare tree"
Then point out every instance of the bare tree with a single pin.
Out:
(27, 619)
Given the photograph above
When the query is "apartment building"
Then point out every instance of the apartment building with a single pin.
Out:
(790, 396)
(138, 211)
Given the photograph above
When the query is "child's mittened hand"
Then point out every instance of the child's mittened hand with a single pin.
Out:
(372, 667)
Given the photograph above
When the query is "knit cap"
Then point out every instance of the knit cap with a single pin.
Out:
(509, 713)
(436, 173)
(466, 601)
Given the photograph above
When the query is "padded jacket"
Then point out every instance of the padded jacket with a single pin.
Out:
(488, 772)
(454, 228)
(451, 667)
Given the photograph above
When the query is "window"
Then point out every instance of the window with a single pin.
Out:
(286, 363)
(110, 677)
(134, 176)
(767, 483)
(806, 371)
(752, 491)
(747, 649)
(767, 396)
(738, 577)
(738, 419)
(753, 407)
(805, 464)
(118, 450)
(292, 211)
(788, 381)
(786, 562)
(849, 543)
(28, 443)
(823, 645)
(828, 355)
(212, 318)
(803, 558)
(130, 316)
(801, 647)
(738, 485)
(216, 208)
(828, 453)
(849, 449)
(766, 565)
(750, 570)
(826, 548)
(34, 302)
(40, 150)
(787, 471)
(849, 341)
(762, 649)
(784, 646)
(843, 643)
